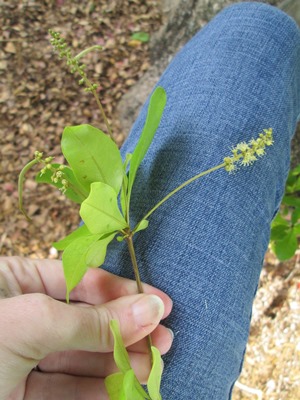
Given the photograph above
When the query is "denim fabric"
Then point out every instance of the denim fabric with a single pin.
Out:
(205, 246)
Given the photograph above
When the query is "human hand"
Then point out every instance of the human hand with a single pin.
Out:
(71, 344)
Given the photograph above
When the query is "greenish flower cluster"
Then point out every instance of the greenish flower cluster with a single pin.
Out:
(57, 176)
(73, 63)
(245, 154)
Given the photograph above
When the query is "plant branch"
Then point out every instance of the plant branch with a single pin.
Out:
(137, 278)
(64, 51)
(20, 185)
(88, 50)
(103, 114)
(95, 94)
(134, 263)
(177, 190)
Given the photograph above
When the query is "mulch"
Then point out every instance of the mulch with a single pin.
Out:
(39, 97)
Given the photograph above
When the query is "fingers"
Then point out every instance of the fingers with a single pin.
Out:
(162, 338)
(99, 286)
(67, 387)
(42, 325)
(46, 325)
(100, 365)
(46, 276)
(95, 365)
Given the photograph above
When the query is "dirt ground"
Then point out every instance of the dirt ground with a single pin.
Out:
(38, 97)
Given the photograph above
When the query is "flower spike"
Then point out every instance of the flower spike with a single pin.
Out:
(246, 153)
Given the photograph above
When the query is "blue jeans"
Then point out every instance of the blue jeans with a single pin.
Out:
(205, 246)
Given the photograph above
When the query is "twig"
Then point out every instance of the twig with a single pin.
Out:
(2, 240)
(137, 279)
(247, 389)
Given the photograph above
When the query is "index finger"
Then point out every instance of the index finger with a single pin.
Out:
(98, 286)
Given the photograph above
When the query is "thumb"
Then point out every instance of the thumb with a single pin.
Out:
(35, 325)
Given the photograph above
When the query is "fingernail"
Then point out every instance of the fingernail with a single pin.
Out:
(171, 332)
(148, 309)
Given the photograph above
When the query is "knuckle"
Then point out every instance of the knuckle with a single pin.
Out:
(103, 317)
(41, 305)
(39, 308)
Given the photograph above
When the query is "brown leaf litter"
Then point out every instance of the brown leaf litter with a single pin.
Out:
(38, 97)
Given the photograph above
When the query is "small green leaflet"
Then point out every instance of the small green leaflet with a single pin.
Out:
(141, 37)
(82, 250)
(123, 197)
(286, 247)
(93, 156)
(296, 229)
(141, 225)
(82, 253)
(155, 111)
(79, 232)
(295, 171)
(154, 380)
(75, 191)
(96, 253)
(279, 220)
(120, 353)
(291, 201)
(74, 261)
(114, 386)
(293, 181)
(279, 231)
(100, 210)
(295, 216)
(132, 387)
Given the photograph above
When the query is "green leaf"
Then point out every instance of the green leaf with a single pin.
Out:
(296, 170)
(286, 248)
(74, 261)
(120, 353)
(100, 210)
(123, 363)
(296, 186)
(292, 184)
(278, 232)
(291, 201)
(96, 253)
(123, 197)
(141, 225)
(154, 380)
(75, 191)
(127, 161)
(114, 386)
(124, 190)
(82, 231)
(93, 156)
(295, 215)
(279, 220)
(132, 388)
(296, 229)
(155, 110)
(285, 211)
(141, 37)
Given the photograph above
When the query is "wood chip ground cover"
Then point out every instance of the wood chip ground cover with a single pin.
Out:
(38, 97)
